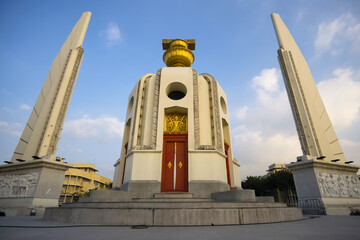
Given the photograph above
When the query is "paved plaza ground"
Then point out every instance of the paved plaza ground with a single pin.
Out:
(311, 227)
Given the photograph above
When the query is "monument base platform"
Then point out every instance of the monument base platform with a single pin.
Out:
(199, 188)
(29, 187)
(169, 209)
(326, 187)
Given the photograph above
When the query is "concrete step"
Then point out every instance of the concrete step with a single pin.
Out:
(172, 216)
(84, 199)
(172, 195)
(162, 200)
(171, 205)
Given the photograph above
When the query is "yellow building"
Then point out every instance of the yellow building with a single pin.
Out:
(81, 178)
(275, 167)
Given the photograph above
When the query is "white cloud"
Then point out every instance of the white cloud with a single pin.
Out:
(241, 113)
(256, 151)
(335, 35)
(341, 96)
(268, 135)
(351, 150)
(12, 129)
(113, 33)
(104, 129)
(25, 107)
(267, 80)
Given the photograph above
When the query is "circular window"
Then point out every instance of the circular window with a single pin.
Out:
(130, 106)
(223, 105)
(176, 91)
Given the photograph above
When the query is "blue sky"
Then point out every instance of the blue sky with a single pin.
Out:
(235, 42)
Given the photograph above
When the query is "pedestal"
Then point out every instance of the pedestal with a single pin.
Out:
(29, 186)
(326, 187)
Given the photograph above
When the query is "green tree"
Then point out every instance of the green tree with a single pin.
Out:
(282, 180)
(257, 183)
(268, 185)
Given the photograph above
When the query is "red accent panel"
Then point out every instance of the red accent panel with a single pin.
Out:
(227, 164)
(126, 146)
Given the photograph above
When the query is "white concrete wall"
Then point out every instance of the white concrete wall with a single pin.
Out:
(139, 93)
(207, 165)
(146, 165)
(148, 111)
(204, 112)
(224, 114)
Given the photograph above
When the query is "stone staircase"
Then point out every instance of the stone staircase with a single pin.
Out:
(171, 209)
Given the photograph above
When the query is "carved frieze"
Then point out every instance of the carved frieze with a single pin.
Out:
(299, 123)
(196, 109)
(206, 147)
(142, 147)
(156, 108)
(18, 185)
(336, 185)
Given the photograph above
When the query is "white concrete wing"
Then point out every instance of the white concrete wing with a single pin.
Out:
(42, 131)
(316, 133)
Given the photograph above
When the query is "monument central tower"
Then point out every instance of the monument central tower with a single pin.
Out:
(177, 134)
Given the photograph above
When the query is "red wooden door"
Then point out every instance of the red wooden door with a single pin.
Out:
(175, 163)
(227, 164)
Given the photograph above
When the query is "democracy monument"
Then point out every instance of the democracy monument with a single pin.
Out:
(176, 165)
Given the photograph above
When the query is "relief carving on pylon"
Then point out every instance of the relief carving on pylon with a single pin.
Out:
(18, 185)
(335, 185)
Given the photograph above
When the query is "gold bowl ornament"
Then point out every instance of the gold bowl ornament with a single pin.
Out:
(178, 52)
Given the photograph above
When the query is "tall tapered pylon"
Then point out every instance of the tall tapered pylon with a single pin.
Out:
(316, 133)
(42, 131)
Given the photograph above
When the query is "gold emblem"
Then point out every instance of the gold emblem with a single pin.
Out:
(169, 165)
(175, 123)
(180, 164)
(178, 52)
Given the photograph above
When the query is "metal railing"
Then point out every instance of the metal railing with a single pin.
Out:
(312, 206)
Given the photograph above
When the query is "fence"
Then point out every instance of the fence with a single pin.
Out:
(312, 206)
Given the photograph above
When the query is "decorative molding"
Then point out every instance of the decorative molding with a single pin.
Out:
(156, 109)
(299, 124)
(206, 147)
(217, 116)
(336, 185)
(215, 111)
(196, 109)
(143, 147)
(18, 185)
(306, 107)
(134, 118)
(65, 104)
(319, 164)
(142, 110)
